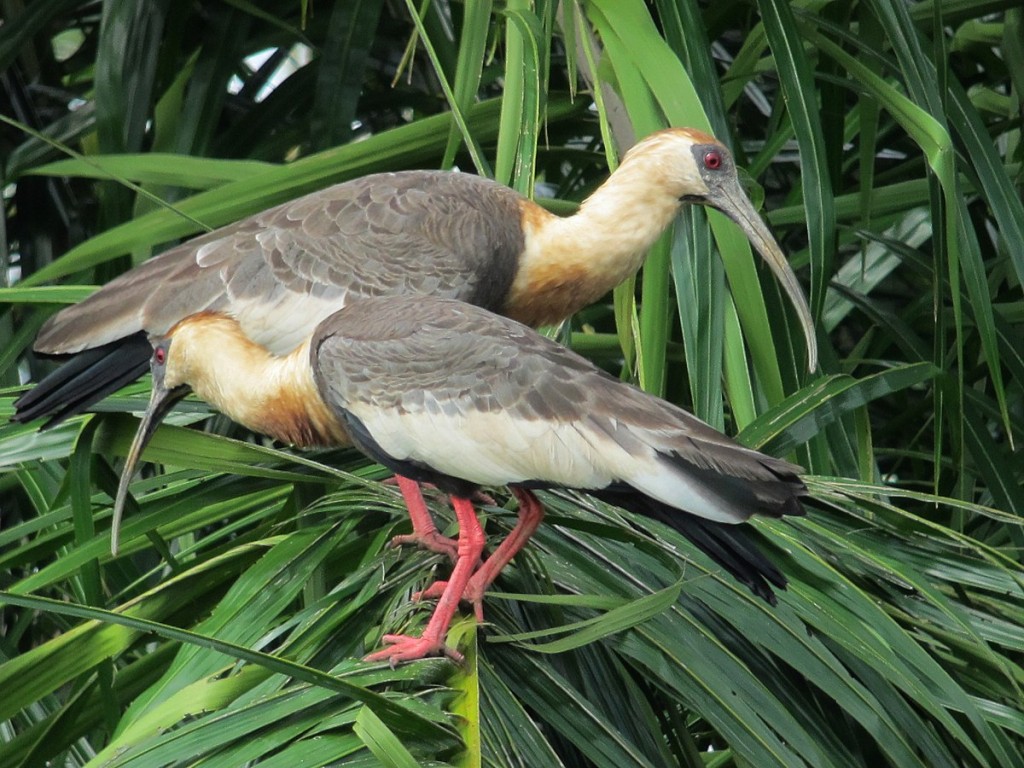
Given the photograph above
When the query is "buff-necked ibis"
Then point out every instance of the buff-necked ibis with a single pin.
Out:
(278, 274)
(444, 392)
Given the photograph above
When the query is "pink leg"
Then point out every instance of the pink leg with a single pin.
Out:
(531, 512)
(424, 532)
(431, 642)
(478, 497)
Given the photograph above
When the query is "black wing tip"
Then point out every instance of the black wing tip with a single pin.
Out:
(84, 379)
(766, 593)
(793, 506)
(729, 545)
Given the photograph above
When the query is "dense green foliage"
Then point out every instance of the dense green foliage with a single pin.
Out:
(886, 137)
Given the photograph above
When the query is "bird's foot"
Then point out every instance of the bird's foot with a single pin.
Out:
(473, 595)
(409, 648)
(432, 540)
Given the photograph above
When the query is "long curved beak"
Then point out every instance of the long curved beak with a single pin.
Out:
(161, 400)
(729, 198)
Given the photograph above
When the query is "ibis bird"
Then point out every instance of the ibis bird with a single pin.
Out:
(278, 274)
(441, 391)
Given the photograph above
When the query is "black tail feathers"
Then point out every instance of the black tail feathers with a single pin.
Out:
(86, 378)
(730, 546)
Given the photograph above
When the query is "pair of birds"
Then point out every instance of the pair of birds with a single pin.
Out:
(365, 313)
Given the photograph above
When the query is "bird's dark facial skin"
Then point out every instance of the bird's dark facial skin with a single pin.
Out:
(715, 166)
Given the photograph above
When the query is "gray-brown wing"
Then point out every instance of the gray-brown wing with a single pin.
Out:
(459, 362)
(282, 271)
(392, 353)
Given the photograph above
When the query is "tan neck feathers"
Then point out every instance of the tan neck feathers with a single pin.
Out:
(276, 396)
(571, 262)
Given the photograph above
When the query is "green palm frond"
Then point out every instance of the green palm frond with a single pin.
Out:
(885, 141)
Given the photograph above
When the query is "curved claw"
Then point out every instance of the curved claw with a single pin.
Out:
(424, 532)
(408, 648)
(431, 540)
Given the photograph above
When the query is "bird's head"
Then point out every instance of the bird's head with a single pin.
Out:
(685, 163)
(694, 167)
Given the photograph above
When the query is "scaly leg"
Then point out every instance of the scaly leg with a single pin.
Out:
(424, 532)
(531, 512)
(431, 642)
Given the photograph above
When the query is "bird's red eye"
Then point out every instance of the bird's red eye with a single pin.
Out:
(159, 355)
(713, 160)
